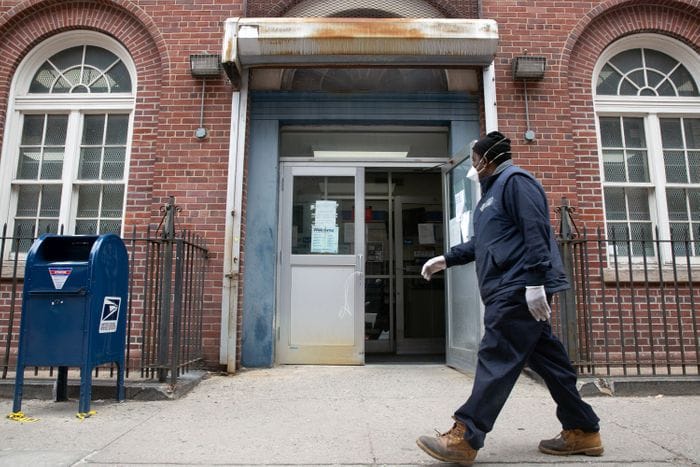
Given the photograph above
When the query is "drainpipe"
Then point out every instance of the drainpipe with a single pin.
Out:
(490, 109)
(232, 244)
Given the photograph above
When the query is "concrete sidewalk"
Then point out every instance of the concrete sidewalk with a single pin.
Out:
(320, 415)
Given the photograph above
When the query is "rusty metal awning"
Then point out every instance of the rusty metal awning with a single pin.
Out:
(385, 42)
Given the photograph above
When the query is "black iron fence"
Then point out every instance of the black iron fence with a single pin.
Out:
(165, 305)
(632, 309)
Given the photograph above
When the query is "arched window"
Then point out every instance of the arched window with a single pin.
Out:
(648, 115)
(65, 156)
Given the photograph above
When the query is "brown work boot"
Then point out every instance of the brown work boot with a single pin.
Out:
(573, 442)
(450, 446)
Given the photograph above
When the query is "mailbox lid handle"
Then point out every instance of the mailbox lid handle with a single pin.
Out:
(80, 291)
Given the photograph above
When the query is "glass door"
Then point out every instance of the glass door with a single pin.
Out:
(321, 306)
(464, 308)
(420, 304)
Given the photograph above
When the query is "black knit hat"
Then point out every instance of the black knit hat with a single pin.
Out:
(493, 144)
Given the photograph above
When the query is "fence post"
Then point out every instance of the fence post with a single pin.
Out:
(567, 301)
(168, 237)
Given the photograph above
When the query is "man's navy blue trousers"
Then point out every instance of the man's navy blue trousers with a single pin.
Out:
(512, 338)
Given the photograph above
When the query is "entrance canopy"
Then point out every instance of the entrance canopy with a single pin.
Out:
(347, 42)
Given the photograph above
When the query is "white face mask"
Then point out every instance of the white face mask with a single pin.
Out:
(473, 174)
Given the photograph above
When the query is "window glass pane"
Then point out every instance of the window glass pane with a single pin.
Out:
(47, 226)
(627, 88)
(692, 132)
(80, 89)
(654, 78)
(111, 226)
(119, 79)
(50, 201)
(99, 57)
(93, 129)
(680, 234)
(666, 89)
(638, 203)
(659, 61)
(32, 130)
(634, 132)
(113, 167)
(608, 79)
(89, 76)
(68, 57)
(694, 201)
(637, 166)
(43, 79)
(610, 131)
(618, 234)
(85, 227)
(117, 127)
(615, 208)
(684, 82)
(56, 126)
(671, 135)
(88, 201)
(72, 76)
(112, 201)
(637, 77)
(89, 166)
(28, 200)
(52, 166)
(674, 162)
(24, 235)
(28, 164)
(641, 237)
(677, 210)
(320, 205)
(100, 86)
(614, 166)
(694, 166)
(628, 60)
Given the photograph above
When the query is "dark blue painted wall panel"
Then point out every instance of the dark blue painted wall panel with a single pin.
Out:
(260, 246)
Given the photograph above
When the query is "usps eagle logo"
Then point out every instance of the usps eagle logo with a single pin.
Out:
(110, 314)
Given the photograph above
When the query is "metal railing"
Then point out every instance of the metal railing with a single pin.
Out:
(632, 308)
(165, 304)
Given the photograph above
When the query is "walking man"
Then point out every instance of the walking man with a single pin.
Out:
(519, 268)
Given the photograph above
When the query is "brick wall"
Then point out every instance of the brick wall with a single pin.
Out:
(166, 158)
(571, 36)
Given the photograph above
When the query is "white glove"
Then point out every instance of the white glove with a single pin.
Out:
(432, 266)
(537, 302)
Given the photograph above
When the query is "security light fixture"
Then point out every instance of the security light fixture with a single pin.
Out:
(204, 66)
(527, 68)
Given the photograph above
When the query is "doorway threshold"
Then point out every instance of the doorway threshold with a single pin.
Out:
(404, 359)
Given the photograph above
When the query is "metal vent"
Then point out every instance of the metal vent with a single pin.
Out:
(364, 9)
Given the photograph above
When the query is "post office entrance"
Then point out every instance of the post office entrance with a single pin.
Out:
(404, 314)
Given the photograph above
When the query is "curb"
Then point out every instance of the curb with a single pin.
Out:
(45, 388)
(633, 386)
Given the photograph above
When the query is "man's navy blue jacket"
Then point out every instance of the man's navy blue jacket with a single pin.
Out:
(513, 243)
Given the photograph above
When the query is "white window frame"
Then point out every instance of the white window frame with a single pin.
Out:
(651, 109)
(74, 105)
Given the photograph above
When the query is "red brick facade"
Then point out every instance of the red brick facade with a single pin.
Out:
(166, 158)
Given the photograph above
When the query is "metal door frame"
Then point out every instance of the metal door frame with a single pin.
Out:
(323, 354)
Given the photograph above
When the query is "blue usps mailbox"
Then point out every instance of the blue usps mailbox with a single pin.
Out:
(74, 310)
